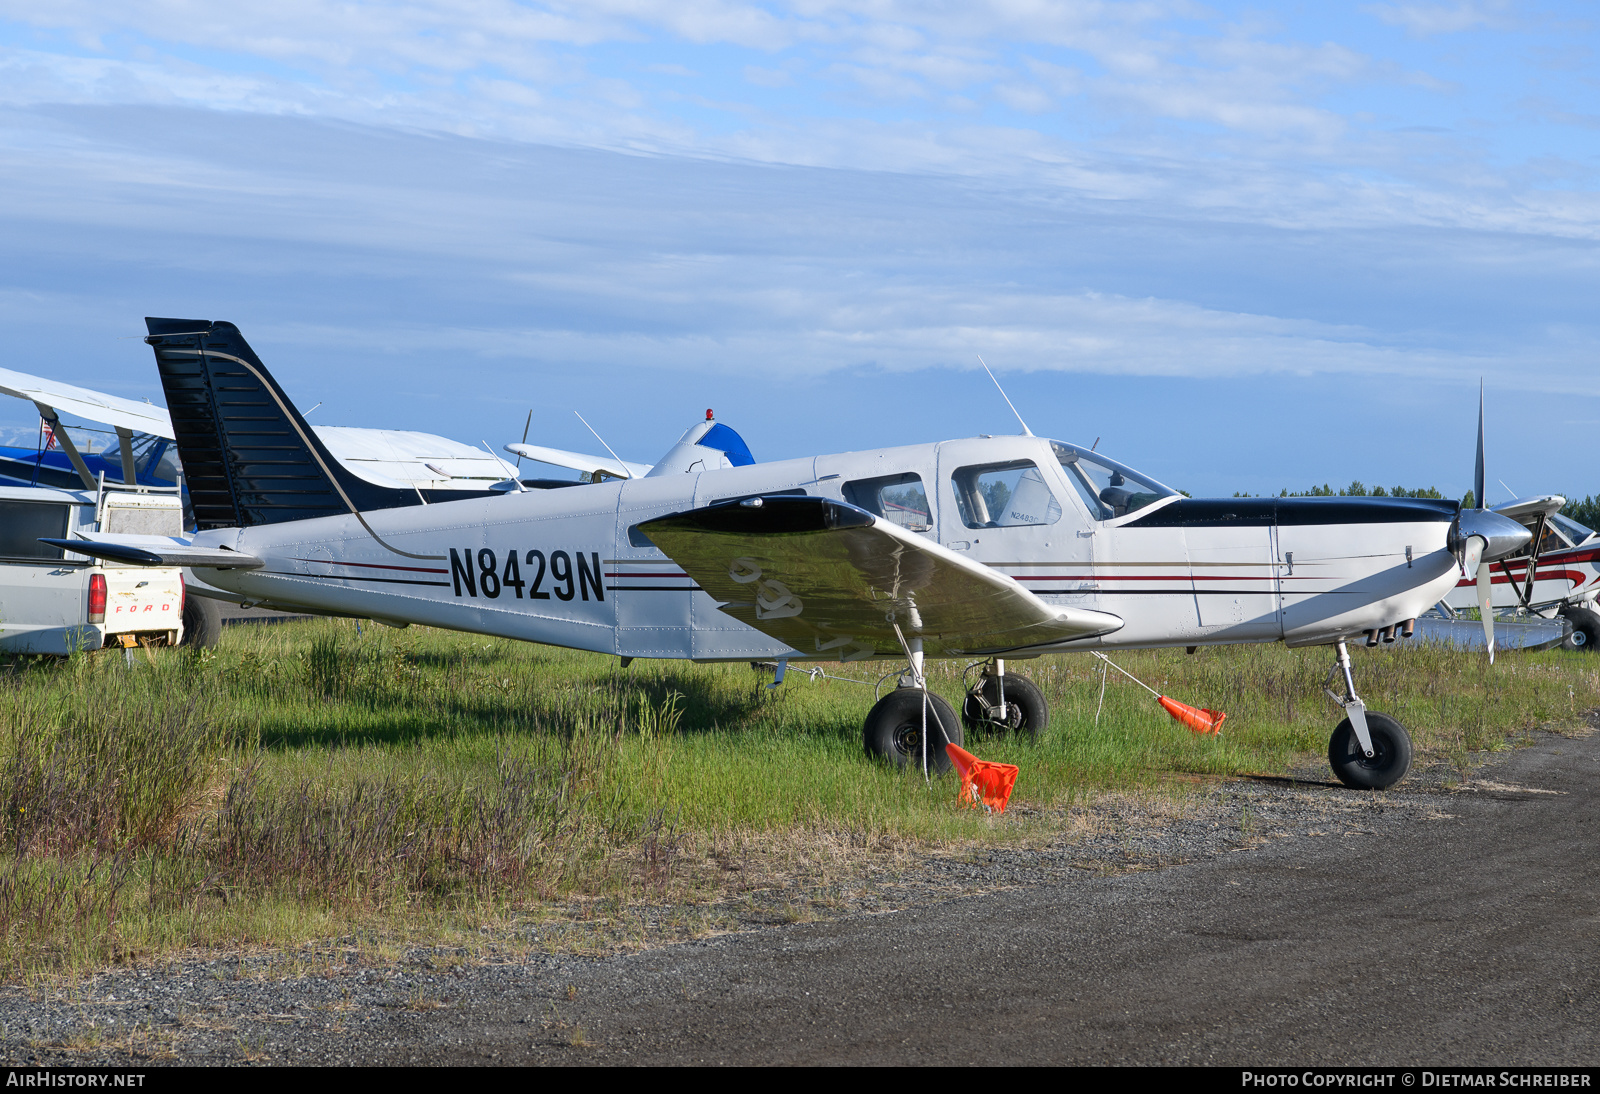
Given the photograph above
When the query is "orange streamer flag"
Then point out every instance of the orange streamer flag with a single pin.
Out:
(983, 778)
(1196, 718)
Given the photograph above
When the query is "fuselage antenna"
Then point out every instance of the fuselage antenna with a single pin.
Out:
(625, 472)
(1025, 430)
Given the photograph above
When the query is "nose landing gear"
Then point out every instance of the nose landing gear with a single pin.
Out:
(1368, 751)
(1003, 702)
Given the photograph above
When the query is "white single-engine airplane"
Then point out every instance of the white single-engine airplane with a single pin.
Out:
(988, 548)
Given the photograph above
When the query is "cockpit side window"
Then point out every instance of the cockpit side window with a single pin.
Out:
(1004, 495)
(899, 499)
(1108, 489)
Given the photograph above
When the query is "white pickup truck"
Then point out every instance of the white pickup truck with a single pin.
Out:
(54, 601)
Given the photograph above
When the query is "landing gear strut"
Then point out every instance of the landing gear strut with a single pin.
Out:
(1368, 751)
(1003, 702)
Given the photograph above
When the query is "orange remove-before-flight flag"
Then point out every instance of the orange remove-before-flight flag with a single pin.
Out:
(1196, 718)
(991, 781)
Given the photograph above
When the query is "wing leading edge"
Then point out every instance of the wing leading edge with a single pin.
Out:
(832, 580)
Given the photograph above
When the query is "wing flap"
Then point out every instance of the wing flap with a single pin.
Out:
(828, 578)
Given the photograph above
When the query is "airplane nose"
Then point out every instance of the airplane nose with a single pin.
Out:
(1502, 535)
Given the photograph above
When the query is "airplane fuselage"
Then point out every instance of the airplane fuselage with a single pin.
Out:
(1570, 575)
(568, 567)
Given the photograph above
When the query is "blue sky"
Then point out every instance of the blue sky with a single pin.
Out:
(1248, 246)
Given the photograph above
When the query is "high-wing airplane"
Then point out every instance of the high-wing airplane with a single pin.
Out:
(993, 549)
(1557, 573)
(142, 439)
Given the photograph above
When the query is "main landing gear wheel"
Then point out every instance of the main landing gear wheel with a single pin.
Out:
(1585, 630)
(202, 622)
(893, 730)
(1027, 710)
(1390, 759)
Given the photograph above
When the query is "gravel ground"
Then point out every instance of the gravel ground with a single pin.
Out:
(525, 996)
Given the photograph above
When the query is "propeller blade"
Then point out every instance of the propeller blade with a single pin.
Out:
(1472, 562)
(1477, 475)
(1485, 607)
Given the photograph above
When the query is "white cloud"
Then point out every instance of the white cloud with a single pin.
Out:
(1024, 97)
(767, 77)
(1426, 20)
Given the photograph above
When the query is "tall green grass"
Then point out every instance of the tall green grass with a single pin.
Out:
(308, 777)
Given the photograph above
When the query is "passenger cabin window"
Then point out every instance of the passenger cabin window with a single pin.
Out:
(1004, 495)
(21, 525)
(899, 499)
(1109, 489)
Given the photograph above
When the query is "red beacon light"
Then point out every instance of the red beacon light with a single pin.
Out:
(709, 415)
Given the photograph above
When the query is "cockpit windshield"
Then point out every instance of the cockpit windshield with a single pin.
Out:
(1109, 489)
(1574, 531)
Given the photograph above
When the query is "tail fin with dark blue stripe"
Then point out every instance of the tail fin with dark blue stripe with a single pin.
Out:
(248, 456)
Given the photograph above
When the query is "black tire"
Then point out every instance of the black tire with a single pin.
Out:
(1027, 710)
(1585, 630)
(1390, 759)
(202, 622)
(893, 730)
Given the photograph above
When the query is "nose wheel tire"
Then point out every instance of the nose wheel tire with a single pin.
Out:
(1390, 759)
(1027, 710)
(893, 730)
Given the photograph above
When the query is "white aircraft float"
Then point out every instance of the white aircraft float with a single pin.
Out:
(993, 549)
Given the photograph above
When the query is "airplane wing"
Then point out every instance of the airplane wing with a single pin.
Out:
(155, 551)
(407, 458)
(1527, 511)
(577, 461)
(95, 406)
(824, 576)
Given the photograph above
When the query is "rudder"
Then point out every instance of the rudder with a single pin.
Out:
(248, 455)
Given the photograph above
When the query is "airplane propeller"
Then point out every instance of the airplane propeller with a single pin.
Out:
(1484, 575)
(1481, 537)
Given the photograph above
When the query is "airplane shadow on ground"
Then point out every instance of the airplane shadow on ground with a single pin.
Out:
(682, 703)
(1289, 782)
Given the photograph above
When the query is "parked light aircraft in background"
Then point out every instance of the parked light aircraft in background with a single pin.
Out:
(143, 439)
(1558, 573)
(994, 549)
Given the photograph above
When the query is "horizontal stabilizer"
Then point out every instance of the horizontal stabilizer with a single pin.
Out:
(155, 551)
(834, 581)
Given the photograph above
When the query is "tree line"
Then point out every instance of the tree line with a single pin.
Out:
(1585, 511)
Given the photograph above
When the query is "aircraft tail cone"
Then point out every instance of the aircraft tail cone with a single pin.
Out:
(982, 781)
(1196, 718)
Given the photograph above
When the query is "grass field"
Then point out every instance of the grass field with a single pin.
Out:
(308, 781)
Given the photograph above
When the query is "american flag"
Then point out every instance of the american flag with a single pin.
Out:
(49, 434)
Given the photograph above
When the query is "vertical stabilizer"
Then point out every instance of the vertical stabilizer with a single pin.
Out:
(248, 456)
